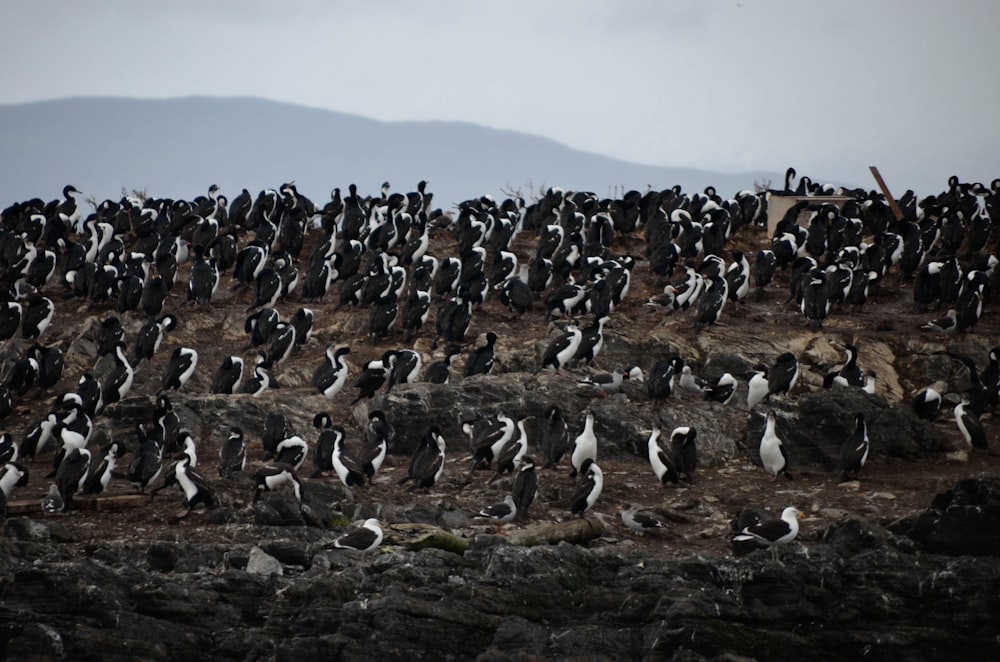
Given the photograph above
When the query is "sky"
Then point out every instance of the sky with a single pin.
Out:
(731, 86)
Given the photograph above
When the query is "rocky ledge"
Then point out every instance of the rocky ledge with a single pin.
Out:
(922, 588)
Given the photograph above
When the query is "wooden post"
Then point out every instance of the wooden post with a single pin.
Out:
(896, 211)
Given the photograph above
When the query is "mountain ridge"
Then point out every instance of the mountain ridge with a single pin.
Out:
(104, 144)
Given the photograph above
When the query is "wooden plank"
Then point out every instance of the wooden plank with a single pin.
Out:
(109, 503)
(896, 211)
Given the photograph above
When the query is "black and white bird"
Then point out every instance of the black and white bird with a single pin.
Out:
(323, 453)
(102, 467)
(783, 375)
(772, 450)
(344, 464)
(591, 342)
(584, 446)
(179, 369)
(946, 324)
(605, 383)
(291, 451)
(969, 425)
(12, 475)
(589, 489)
(405, 368)
(488, 438)
(722, 389)
(36, 317)
(151, 336)
(439, 372)
(373, 375)
(711, 302)
(233, 453)
(260, 381)
(525, 486)
(481, 360)
(72, 475)
(773, 533)
(331, 375)
(196, 489)
(501, 513)
(662, 374)
(685, 450)
(854, 452)
(273, 476)
(758, 387)
(427, 461)
(228, 376)
(555, 436)
(510, 454)
(661, 459)
(927, 403)
(850, 374)
(815, 304)
(638, 520)
(362, 539)
(561, 349)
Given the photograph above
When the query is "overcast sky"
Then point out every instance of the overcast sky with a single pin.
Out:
(737, 85)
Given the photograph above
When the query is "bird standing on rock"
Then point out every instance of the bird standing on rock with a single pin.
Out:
(772, 450)
(480, 361)
(773, 532)
(501, 513)
(361, 539)
(561, 349)
(661, 459)
(584, 446)
(589, 490)
(854, 452)
(639, 521)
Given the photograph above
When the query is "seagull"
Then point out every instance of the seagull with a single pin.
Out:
(637, 520)
(605, 383)
(364, 538)
(501, 513)
(774, 532)
(946, 324)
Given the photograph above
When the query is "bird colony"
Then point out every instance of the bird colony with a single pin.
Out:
(427, 292)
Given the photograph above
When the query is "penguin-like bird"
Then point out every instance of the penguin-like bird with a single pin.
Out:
(661, 459)
(233, 454)
(584, 446)
(854, 452)
(772, 450)
(555, 436)
(273, 476)
(179, 368)
(589, 489)
(561, 349)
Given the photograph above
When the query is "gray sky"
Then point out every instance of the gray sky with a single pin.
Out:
(737, 85)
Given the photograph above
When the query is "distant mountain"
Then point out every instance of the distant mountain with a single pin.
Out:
(178, 147)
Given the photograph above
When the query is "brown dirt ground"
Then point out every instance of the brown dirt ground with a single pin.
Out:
(698, 516)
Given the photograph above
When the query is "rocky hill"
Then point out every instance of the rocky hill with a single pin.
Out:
(895, 564)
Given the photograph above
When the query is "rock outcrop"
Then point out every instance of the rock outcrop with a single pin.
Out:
(282, 593)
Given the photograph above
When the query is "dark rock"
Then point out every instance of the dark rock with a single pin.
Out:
(964, 520)
(162, 556)
(814, 427)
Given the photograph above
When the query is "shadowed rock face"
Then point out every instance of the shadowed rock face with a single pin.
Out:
(862, 591)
